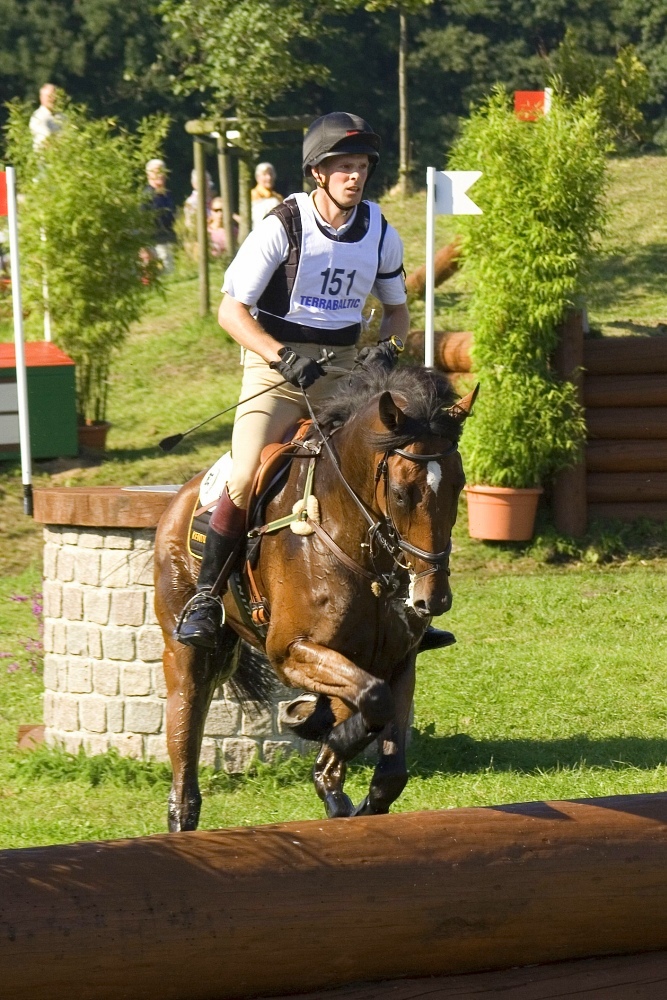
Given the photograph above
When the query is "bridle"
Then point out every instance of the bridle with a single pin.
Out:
(382, 532)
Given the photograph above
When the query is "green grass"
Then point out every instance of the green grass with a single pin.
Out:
(556, 688)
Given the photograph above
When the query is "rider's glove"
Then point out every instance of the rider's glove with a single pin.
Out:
(383, 355)
(296, 369)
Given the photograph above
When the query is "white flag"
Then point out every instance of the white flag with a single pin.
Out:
(450, 192)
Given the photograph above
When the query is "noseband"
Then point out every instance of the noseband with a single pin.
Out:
(384, 533)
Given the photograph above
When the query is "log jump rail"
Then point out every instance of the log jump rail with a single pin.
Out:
(303, 906)
(623, 387)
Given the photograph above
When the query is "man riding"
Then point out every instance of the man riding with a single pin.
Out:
(295, 290)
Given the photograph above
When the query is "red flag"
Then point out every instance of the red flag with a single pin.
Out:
(3, 193)
(530, 104)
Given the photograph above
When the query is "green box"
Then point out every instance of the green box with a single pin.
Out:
(51, 402)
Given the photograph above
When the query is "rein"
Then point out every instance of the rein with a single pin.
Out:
(394, 544)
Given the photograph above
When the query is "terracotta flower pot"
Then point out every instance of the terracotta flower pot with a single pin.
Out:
(500, 513)
(93, 434)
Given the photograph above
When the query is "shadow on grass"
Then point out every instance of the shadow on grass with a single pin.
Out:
(461, 754)
(220, 436)
(641, 269)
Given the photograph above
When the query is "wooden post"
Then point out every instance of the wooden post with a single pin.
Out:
(245, 183)
(202, 229)
(403, 119)
(225, 175)
(569, 494)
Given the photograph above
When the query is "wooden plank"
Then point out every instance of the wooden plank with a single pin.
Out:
(628, 511)
(569, 489)
(625, 355)
(648, 423)
(625, 390)
(626, 456)
(640, 977)
(626, 487)
(305, 906)
(100, 506)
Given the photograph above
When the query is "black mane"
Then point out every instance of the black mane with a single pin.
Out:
(428, 394)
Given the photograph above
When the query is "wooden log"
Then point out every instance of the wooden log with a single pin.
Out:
(300, 906)
(626, 456)
(628, 511)
(569, 489)
(452, 350)
(625, 390)
(626, 977)
(625, 355)
(446, 263)
(648, 423)
(626, 487)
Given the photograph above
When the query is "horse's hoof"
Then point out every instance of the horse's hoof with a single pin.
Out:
(338, 805)
(364, 808)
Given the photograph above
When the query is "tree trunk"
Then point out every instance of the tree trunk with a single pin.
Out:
(404, 185)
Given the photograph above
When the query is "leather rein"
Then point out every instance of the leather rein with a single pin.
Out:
(383, 532)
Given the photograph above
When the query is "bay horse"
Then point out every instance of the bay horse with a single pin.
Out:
(349, 602)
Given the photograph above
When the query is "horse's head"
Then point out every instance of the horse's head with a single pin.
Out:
(419, 483)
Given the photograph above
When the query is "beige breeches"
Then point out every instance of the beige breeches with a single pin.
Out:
(269, 417)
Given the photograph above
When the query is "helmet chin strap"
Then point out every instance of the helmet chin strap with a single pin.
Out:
(324, 186)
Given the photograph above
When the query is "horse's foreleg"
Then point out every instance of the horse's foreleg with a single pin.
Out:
(391, 774)
(318, 668)
(363, 705)
(191, 677)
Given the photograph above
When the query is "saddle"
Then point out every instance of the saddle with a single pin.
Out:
(244, 584)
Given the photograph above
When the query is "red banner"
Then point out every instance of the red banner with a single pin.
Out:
(3, 193)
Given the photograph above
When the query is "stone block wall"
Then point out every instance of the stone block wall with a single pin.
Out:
(103, 678)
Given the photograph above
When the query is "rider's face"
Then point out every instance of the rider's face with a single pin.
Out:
(346, 175)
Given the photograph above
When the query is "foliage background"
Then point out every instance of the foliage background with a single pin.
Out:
(118, 58)
(83, 223)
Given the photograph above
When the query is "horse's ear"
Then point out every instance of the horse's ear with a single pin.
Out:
(391, 414)
(463, 408)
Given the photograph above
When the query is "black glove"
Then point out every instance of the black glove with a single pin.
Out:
(299, 371)
(383, 355)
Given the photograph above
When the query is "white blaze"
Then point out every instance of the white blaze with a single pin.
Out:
(433, 475)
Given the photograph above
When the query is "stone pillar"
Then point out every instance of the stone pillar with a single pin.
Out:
(103, 677)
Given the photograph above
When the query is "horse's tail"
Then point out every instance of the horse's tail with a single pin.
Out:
(253, 680)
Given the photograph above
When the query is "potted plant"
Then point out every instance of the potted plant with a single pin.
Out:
(84, 225)
(542, 197)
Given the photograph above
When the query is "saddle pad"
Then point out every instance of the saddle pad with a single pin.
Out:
(215, 480)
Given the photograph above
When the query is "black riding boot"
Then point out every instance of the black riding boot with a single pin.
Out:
(435, 638)
(203, 615)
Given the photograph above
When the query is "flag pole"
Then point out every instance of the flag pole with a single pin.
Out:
(21, 376)
(429, 322)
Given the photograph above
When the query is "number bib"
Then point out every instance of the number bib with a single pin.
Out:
(333, 279)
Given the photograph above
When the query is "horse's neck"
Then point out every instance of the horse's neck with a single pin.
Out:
(357, 463)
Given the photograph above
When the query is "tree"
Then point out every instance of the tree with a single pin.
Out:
(240, 54)
(404, 7)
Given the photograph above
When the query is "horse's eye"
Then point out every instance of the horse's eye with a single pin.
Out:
(398, 494)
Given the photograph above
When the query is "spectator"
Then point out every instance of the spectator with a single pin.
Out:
(263, 196)
(162, 202)
(190, 204)
(217, 236)
(43, 122)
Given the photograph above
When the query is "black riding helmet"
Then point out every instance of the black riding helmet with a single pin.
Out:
(336, 133)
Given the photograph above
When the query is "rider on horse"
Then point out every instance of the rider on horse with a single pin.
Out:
(296, 290)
